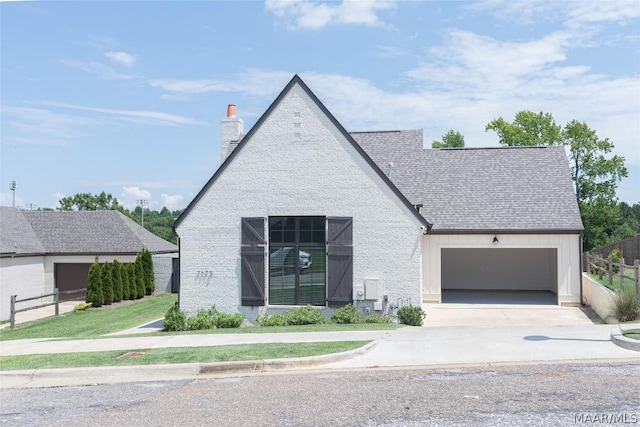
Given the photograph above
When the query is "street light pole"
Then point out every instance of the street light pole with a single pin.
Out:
(142, 202)
(12, 187)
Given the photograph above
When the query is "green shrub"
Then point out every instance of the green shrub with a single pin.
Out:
(82, 306)
(225, 320)
(133, 283)
(116, 272)
(410, 315)
(626, 305)
(202, 320)
(306, 315)
(147, 262)
(273, 320)
(616, 256)
(347, 315)
(140, 287)
(107, 284)
(175, 319)
(376, 318)
(124, 273)
(94, 286)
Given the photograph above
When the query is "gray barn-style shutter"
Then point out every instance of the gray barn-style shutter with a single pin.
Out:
(252, 262)
(339, 261)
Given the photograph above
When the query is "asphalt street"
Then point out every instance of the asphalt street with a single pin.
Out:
(557, 394)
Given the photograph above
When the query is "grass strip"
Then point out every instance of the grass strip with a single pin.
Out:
(176, 355)
(92, 323)
(629, 285)
(632, 333)
(329, 327)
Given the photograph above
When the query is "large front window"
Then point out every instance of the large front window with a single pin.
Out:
(297, 260)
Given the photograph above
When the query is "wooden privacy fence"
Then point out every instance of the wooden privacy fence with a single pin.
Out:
(630, 248)
(606, 266)
(56, 302)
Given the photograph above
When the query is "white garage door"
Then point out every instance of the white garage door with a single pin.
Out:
(500, 269)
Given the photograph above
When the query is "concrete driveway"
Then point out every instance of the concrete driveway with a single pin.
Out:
(496, 315)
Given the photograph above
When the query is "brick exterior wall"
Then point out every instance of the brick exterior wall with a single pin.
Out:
(297, 163)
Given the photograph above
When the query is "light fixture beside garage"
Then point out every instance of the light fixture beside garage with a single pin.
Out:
(495, 240)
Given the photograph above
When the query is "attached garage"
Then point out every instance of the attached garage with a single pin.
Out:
(517, 270)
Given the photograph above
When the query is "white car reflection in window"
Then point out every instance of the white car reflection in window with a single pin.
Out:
(283, 259)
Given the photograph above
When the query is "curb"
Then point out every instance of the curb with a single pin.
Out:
(61, 377)
(624, 342)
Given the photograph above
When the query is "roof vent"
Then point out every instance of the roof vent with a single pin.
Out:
(389, 171)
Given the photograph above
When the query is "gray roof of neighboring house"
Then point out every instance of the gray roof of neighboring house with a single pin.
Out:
(16, 234)
(479, 189)
(83, 232)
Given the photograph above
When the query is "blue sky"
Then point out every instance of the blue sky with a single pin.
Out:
(126, 97)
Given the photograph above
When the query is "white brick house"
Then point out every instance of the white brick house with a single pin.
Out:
(302, 212)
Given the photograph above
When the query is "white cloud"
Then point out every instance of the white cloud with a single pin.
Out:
(171, 202)
(304, 14)
(156, 118)
(93, 67)
(122, 58)
(253, 82)
(135, 193)
(387, 52)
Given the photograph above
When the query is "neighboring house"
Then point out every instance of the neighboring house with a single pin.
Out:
(43, 250)
(382, 219)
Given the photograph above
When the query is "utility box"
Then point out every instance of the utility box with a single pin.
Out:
(358, 293)
(371, 289)
(377, 306)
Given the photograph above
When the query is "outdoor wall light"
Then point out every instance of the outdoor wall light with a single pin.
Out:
(495, 240)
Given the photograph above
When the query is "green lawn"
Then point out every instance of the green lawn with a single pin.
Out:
(92, 323)
(628, 284)
(177, 355)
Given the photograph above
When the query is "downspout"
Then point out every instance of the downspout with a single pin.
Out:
(581, 268)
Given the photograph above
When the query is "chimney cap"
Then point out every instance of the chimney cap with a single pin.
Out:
(231, 110)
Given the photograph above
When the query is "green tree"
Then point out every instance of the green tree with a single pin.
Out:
(90, 202)
(528, 128)
(124, 275)
(147, 261)
(107, 283)
(94, 286)
(451, 139)
(594, 171)
(116, 272)
(140, 278)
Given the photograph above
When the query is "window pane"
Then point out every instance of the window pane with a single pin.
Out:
(312, 261)
(275, 230)
(305, 236)
(282, 275)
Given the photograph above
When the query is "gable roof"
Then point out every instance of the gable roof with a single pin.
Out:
(81, 232)
(296, 80)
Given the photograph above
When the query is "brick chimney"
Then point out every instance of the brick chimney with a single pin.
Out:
(231, 128)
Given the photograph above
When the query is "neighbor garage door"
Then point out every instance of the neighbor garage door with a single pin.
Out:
(521, 269)
(70, 277)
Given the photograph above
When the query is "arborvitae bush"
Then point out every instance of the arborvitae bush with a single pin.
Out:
(107, 283)
(147, 262)
(116, 272)
(94, 286)
(133, 283)
(124, 274)
(140, 277)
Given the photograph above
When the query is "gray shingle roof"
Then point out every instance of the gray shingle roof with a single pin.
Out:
(16, 235)
(87, 232)
(479, 189)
